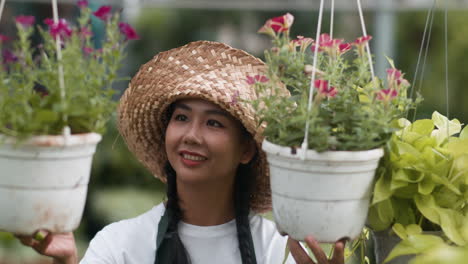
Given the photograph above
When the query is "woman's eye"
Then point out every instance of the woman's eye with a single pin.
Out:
(214, 123)
(180, 117)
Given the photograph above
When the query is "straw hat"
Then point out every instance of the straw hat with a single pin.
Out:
(208, 70)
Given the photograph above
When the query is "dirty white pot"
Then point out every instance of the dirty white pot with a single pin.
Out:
(326, 195)
(44, 181)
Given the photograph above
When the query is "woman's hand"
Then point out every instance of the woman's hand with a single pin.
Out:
(301, 256)
(61, 247)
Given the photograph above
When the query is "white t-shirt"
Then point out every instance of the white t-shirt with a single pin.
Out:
(133, 241)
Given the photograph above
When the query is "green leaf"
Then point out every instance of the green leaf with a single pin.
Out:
(414, 244)
(426, 186)
(423, 127)
(385, 211)
(382, 189)
(400, 231)
(46, 116)
(464, 133)
(445, 127)
(426, 205)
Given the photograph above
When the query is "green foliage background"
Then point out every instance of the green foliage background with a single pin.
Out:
(121, 188)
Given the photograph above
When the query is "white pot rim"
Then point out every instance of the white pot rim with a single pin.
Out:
(54, 140)
(284, 151)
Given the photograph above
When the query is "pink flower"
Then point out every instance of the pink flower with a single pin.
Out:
(4, 38)
(8, 57)
(88, 50)
(325, 89)
(302, 42)
(344, 47)
(58, 29)
(282, 23)
(328, 44)
(85, 32)
(386, 94)
(361, 43)
(277, 24)
(25, 21)
(256, 79)
(362, 40)
(103, 12)
(267, 29)
(82, 3)
(393, 74)
(128, 31)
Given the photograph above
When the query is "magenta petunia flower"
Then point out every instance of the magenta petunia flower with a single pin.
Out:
(58, 29)
(103, 12)
(277, 24)
(362, 40)
(325, 89)
(128, 31)
(256, 79)
(82, 3)
(393, 74)
(386, 94)
(85, 32)
(8, 56)
(344, 47)
(25, 21)
(4, 38)
(88, 50)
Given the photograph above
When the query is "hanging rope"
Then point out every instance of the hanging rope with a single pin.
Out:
(66, 129)
(430, 19)
(305, 143)
(364, 32)
(447, 70)
(332, 18)
(2, 5)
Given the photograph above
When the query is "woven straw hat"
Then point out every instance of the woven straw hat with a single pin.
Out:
(207, 70)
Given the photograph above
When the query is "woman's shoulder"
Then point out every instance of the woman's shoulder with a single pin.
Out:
(140, 222)
(127, 241)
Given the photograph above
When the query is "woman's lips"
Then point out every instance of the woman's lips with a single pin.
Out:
(191, 158)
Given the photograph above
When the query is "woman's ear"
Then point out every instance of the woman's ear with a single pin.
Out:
(249, 151)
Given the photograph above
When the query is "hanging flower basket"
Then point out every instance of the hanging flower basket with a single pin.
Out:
(44, 182)
(326, 195)
(54, 100)
(326, 120)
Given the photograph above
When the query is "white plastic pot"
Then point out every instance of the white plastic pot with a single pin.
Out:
(44, 182)
(326, 195)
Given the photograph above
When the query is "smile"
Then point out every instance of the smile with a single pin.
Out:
(193, 157)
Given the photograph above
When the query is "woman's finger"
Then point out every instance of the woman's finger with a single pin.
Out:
(25, 240)
(298, 253)
(338, 252)
(317, 250)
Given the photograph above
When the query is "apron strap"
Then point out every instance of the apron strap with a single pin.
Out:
(163, 252)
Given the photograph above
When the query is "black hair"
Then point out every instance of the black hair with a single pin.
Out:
(244, 183)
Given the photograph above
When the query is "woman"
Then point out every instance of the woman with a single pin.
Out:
(186, 118)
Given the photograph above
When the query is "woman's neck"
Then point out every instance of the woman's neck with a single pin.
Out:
(206, 204)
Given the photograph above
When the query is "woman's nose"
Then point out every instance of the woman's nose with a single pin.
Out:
(193, 135)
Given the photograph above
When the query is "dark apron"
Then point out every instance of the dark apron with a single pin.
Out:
(163, 252)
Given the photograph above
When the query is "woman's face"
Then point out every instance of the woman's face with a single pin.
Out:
(205, 143)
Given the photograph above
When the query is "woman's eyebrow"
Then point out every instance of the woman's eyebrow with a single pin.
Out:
(183, 106)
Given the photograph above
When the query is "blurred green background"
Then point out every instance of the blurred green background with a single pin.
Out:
(121, 188)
